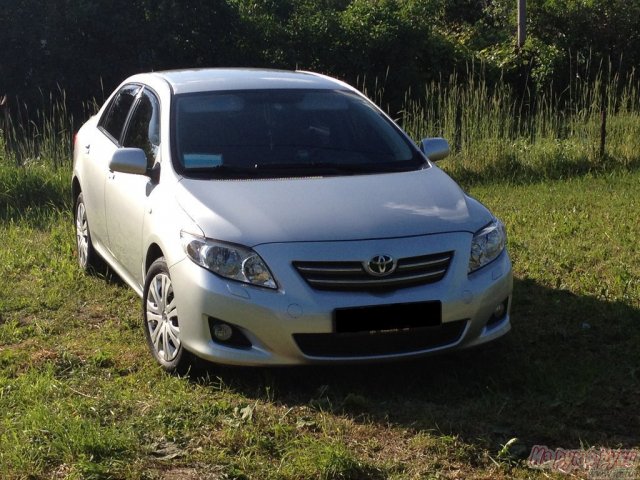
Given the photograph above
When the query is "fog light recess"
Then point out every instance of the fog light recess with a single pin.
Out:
(227, 334)
(499, 313)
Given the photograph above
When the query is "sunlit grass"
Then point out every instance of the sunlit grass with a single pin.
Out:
(81, 398)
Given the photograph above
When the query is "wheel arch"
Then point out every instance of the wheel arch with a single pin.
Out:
(75, 191)
(154, 252)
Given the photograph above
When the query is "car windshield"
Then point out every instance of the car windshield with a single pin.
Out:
(274, 133)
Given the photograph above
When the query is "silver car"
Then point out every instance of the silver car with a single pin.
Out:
(274, 218)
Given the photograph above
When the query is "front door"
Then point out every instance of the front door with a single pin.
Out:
(127, 195)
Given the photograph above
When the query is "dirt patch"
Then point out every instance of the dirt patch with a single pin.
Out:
(191, 473)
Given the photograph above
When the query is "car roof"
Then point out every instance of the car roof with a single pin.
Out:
(212, 79)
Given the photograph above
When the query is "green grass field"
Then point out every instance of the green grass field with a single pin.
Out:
(81, 398)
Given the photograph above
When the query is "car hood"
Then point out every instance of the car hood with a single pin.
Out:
(253, 212)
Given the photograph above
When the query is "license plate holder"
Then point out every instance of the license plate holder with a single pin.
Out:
(387, 318)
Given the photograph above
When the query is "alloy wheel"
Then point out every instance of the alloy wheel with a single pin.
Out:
(162, 318)
(82, 235)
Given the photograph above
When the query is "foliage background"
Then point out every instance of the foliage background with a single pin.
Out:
(86, 47)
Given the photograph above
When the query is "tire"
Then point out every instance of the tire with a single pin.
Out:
(88, 258)
(160, 320)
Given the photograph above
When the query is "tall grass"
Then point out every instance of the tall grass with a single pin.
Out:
(35, 158)
(494, 132)
(41, 134)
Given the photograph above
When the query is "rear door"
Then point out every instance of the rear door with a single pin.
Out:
(99, 148)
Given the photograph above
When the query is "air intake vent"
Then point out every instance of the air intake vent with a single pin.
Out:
(365, 344)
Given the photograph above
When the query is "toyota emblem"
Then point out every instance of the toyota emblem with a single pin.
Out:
(380, 265)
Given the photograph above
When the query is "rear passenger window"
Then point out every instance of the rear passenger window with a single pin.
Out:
(114, 118)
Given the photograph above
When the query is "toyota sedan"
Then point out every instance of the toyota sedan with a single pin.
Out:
(274, 218)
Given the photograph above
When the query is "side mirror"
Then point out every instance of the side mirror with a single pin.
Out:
(435, 148)
(129, 160)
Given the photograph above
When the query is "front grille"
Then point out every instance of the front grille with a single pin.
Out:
(351, 275)
(367, 344)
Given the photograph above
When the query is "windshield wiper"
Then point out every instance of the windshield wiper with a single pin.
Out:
(352, 168)
(220, 170)
(302, 166)
(262, 170)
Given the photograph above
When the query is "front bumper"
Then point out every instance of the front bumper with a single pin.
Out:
(274, 321)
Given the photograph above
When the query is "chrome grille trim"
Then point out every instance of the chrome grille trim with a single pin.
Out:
(425, 264)
(329, 270)
(351, 275)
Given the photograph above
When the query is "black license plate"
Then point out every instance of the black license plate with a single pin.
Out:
(383, 318)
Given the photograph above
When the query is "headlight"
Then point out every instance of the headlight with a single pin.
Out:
(228, 260)
(487, 244)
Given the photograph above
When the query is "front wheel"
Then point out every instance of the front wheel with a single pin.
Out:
(161, 325)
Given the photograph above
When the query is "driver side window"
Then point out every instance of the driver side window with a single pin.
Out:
(143, 130)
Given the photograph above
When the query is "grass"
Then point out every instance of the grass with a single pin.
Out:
(81, 398)
(496, 134)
